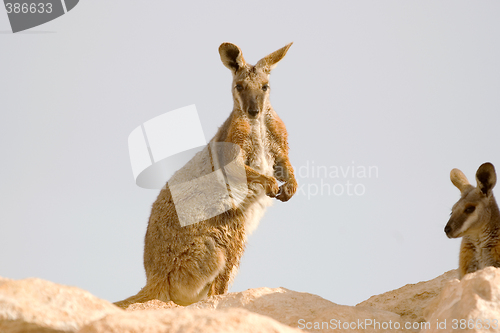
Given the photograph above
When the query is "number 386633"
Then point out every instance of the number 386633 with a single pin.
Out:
(31, 8)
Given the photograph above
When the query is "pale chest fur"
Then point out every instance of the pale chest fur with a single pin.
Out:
(261, 158)
(262, 161)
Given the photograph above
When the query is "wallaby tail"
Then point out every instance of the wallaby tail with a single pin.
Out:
(141, 297)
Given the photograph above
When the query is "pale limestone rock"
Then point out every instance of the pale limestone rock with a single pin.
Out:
(182, 320)
(302, 310)
(34, 305)
(152, 305)
(411, 300)
(475, 299)
(4, 280)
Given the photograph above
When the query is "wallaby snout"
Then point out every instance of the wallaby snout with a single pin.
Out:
(460, 223)
(447, 230)
(253, 109)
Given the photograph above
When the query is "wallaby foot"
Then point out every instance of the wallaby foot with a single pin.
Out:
(184, 296)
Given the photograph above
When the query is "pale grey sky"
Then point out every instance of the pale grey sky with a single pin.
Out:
(409, 88)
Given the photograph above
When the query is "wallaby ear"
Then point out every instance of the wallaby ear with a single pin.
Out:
(271, 60)
(486, 178)
(459, 180)
(231, 56)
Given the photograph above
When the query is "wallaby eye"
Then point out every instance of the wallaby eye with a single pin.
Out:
(239, 87)
(265, 87)
(469, 209)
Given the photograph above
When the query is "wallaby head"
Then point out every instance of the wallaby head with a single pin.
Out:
(250, 83)
(477, 209)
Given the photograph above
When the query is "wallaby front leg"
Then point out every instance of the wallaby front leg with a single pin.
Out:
(269, 183)
(283, 171)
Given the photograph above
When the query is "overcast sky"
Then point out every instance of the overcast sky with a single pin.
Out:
(405, 90)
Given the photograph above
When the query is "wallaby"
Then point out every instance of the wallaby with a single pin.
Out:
(185, 264)
(476, 218)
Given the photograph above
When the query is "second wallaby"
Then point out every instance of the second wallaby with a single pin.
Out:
(185, 264)
(476, 218)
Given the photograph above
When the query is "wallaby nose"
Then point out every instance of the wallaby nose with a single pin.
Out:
(447, 230)
(253, 112)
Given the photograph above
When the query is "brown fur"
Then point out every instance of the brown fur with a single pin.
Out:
(476, 218)
(187, 264)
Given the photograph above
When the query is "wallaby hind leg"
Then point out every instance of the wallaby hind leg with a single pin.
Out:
(192, 281)
(189, 279)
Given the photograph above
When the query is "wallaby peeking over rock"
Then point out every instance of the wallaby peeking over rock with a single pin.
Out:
(185, 264)
(476, 218)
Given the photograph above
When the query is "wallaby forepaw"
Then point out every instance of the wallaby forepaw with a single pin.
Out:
(287, 191)
(272, 188)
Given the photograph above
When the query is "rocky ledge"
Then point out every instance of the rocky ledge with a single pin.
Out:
(443, 304)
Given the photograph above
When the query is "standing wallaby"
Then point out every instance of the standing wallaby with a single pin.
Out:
(476, 218)
(185, 264)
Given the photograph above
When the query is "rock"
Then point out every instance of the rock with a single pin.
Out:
(152, 305)
(183, 320)
(411, 300)
(4, 280)
(303, 310)
(34, 305)
(468, 302)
